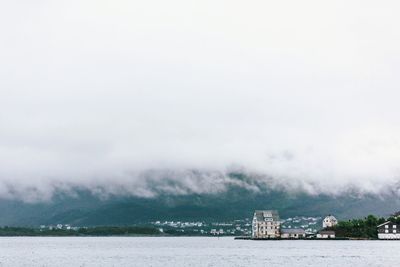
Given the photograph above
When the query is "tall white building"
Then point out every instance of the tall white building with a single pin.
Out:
(329, 221)
(266, 224)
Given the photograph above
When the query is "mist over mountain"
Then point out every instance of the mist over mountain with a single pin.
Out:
(83, 208)
(121, 111)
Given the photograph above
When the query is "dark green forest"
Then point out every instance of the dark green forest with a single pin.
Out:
(361, 228)
(86, 231)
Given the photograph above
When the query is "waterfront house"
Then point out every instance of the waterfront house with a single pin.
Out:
(389, 230)
(323, 234)
(266, 224)
(293, 233)
(329, 221)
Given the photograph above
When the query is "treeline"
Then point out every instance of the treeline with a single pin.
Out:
(84, 231)
(361, 228)
(128, 230)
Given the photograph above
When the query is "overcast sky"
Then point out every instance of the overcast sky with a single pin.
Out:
(94, 92)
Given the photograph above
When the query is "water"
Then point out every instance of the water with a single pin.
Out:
(192, 251)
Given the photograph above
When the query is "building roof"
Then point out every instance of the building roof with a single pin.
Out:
(293, 231)
(330, 217)
(262, 214)
(387, 222)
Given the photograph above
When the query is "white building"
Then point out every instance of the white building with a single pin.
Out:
(388, 230)
(326, 234)
(266, 224)
(329, 221)
(293, 233)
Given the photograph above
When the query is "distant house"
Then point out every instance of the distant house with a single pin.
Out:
(266, 224)
(388, 230)
(217, 232)
(329, 221)
(293, 233)
(323, 234)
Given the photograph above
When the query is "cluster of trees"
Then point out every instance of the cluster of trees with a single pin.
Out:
(90, 231)
(361, 228)
(120, 230)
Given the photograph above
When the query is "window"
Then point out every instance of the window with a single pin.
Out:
(386, 231)
(394, 231)
(386, 226)
(394, 226)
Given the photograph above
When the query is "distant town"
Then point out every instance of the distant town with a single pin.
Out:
(241, 227)
(235, 227)
(267, 224)
(264, 225)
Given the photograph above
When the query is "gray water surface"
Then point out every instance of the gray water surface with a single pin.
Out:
(192, 251)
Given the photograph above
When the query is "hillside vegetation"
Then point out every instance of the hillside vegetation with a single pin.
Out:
(361, 228)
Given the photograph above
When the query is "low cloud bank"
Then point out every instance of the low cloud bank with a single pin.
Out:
(168, 97)
(156, 183)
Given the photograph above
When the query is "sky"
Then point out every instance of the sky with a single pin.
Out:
(116, 95)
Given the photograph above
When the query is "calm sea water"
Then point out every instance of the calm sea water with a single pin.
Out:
(192, 251)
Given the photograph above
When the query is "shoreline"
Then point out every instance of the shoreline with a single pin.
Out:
(234, 237)
(309, 239)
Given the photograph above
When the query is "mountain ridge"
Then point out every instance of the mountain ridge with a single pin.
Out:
(86, 209)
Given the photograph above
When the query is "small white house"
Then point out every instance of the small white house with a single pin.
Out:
(388, 230)
(329, 221)
(293, 233)
(326, 234)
